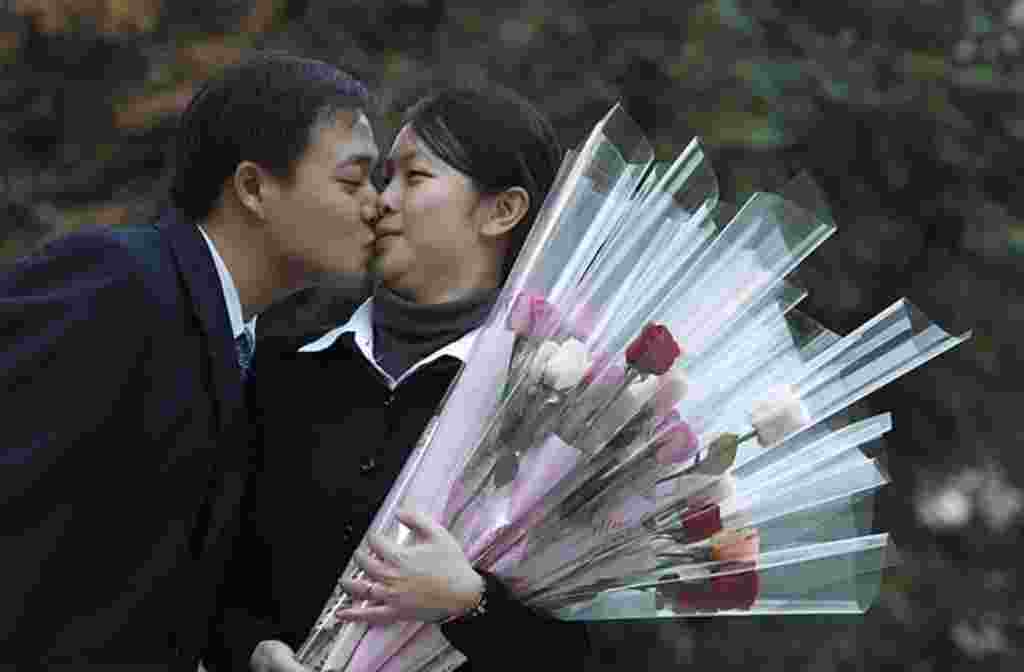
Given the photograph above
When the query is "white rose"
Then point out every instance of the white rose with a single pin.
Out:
(566, 368)
(546, 350)
(781, 414)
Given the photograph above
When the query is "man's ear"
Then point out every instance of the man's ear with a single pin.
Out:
(507, 209)
(251, 185)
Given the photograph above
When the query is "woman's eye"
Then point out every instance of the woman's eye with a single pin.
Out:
(418, 174)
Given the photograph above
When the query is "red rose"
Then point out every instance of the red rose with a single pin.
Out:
(703, 524)
(531, 315)
(735, 591)
(653, 351)
(723, 591)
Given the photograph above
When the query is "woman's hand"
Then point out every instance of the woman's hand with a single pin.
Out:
(428, 580)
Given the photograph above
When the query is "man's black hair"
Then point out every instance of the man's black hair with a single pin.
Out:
(265, 110)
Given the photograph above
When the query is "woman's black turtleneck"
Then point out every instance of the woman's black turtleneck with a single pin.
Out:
(404, 332)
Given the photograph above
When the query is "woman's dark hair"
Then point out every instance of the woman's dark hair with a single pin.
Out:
(263, 110)
(495, 137)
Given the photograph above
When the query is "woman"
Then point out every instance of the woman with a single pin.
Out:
(464, 180)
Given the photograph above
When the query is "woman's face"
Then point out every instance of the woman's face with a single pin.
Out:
(428, 246)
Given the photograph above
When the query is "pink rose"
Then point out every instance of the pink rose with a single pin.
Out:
(532, 316)
(605, 374)
(677, 444)
(653, 351)
(672, 418)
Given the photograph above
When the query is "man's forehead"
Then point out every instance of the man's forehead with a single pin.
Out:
(360, 142)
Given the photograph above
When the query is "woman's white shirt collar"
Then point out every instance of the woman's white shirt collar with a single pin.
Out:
(360, 326)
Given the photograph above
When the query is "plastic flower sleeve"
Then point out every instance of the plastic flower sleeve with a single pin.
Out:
(896, 341)
(839, 577)
(823, 473)
(668, 216)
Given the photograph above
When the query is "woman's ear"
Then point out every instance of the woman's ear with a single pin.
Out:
(251, 185)
(508, 208)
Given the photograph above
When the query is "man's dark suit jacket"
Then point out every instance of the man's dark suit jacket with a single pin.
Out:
(120, 473)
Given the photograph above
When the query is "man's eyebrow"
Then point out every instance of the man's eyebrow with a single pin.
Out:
(362, 157)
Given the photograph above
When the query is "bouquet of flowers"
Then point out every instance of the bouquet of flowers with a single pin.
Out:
(647, 427)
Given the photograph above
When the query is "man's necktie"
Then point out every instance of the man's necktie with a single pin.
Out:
(245, 347)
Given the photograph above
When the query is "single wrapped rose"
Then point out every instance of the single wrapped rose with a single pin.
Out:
(566, 367)
(532, 316)
(779, 415)
(721, 592)
(653, 351)
(676, 444)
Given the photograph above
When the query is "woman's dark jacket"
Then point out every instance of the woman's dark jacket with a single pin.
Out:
(334, 439)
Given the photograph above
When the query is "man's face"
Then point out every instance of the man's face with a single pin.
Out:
(320, 221)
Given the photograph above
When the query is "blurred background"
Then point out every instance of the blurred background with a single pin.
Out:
(909, 115)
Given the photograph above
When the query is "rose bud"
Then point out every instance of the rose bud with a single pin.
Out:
(742, 545)
(734, 591)
(678, 443)
(779, 415)
(532, 316)
(540, 361)
(653, 351)
(671, 418)
(566, 368)
(703, 523)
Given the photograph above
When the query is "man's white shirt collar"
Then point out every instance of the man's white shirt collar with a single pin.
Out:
(361, 326)
(231, 296)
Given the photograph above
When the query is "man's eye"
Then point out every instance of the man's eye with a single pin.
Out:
(416, 174)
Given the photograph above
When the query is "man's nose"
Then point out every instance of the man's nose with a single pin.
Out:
(371, 212)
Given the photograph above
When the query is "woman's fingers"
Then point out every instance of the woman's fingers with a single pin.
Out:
(367, 590)
(387, 550)
(375, 569)
(421, 524)
(373, 615)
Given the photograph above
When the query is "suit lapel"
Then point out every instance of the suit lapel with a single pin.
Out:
(207, 297)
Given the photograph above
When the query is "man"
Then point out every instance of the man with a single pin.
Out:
(122, 358)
